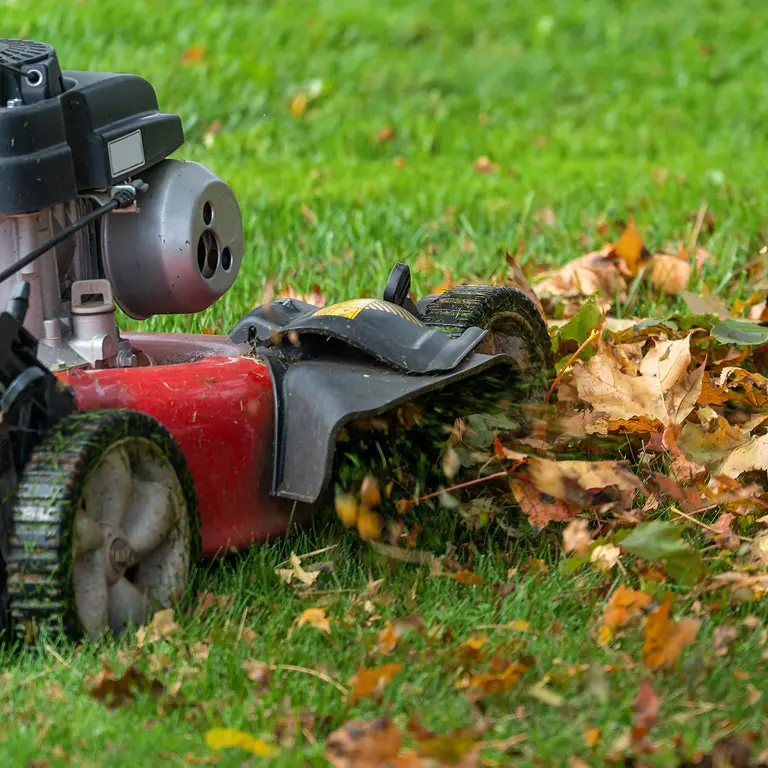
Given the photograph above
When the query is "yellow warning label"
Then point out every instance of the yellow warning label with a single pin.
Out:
(351, 309)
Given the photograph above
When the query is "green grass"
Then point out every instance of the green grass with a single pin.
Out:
(592, 109)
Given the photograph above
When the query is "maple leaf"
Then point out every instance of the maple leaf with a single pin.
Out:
(540, 508)
(466, 577)
(119, 690)
(664, 639)
(366, 682)
(624, 605)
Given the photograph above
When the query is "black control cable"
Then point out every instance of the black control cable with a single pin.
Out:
(15, 70)
(123, 198)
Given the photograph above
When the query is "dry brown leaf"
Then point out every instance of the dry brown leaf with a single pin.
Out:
(471, 649)
(117, 691)
(664, 639)
(369, 681)
(585, 276)
(578, 481)
(670, 274)
(364, 744)
(258, 671)
(297, 573)
(162, 625)
(576, 537)
(605, 556)
(540, 508)
(516, 279)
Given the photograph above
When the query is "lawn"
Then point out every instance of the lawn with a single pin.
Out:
(356, 134)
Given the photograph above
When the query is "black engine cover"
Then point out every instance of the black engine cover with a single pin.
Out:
(73, 132)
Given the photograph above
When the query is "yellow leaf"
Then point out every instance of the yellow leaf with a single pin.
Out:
(299, 105)
(369, 524)
(315, 617)
(347, 509)
(519, 625)
(224, 738)
(591, 736)
(623, 606)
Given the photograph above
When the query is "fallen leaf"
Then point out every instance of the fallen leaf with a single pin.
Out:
(591, 736)
(118, 691)
(193, 53)
(369, 681)
(227, 738)
(299, 105)
(364, 744)
(385, 133)
(484, 165)
(472, 649)
(316, 618)
(646, 705)
(466, 577)
(664, 639)
(670, 274)
(623, 605)
(297, 573)
(540, 508)
(447, 748)
(593, 273)
(257, 671)
(660, 542)
(576, 537)
(492, 682)
(630, 249)
(162, 625)
(605, 556)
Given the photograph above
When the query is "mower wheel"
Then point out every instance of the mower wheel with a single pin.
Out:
(515, 325)
(105, 528)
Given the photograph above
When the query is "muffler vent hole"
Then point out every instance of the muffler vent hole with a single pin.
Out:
(207, 254)
(207, 214)
(226, 259)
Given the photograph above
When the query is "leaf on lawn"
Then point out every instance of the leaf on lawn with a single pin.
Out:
(540, 508)
(364, 744)
(118, 691)
(162, 625)
(582, 482)
(670, 274)
(489, 683)
(447, 748)
(624, 605)
(630, 249)
(316, 618)
(660, 542)
(646, 706)
(571, 335)
(729, 331)
(466, 577)
(258, 672)
(576, 537)
(664, 640)
(366, 682)
(296, 573)
(605, 556)
(593, 273)
(472, 649)
(227, 738)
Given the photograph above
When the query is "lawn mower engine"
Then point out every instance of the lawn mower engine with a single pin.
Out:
(71, 142)
(126, 456)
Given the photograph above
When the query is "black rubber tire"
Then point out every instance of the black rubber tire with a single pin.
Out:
(40, 576)
(515, 327)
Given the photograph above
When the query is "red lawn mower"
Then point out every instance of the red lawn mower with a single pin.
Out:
(124, 457)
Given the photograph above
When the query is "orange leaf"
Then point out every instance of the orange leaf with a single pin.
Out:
(299, 105)
(315, 617)
(490, 682)
(388, 638)
(665, 639)
(670, 274)
(623, 606)
(591, 736)
(361, 744)
(369, 681)
(466, 577)
(630, 248)
(194, 53)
